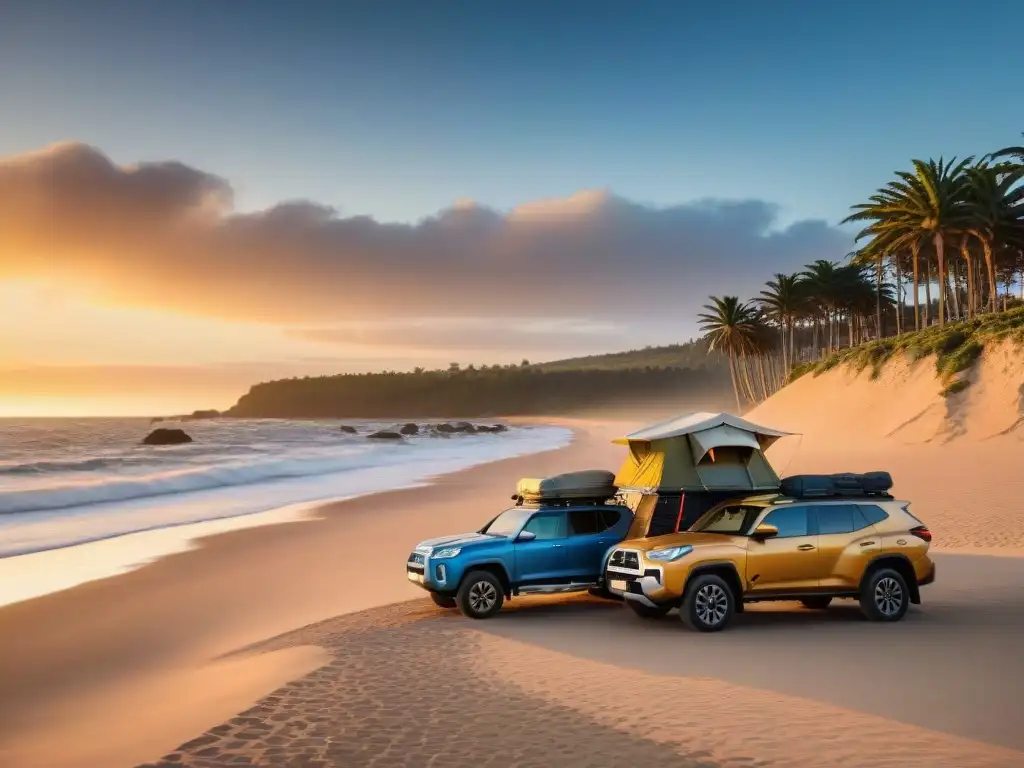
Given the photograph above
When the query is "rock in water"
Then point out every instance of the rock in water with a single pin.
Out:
(166, 437)
(348, 430)
(410, 429)
(384, 435)
(494, 428)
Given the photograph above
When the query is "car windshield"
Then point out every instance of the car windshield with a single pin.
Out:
(733, 519)
(508, 522)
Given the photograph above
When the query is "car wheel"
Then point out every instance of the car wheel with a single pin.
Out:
(646, 611)
(817, 603)
(480, 595)
(709, 604)
(884, 596)
(442, 601)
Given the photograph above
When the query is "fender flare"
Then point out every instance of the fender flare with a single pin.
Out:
(717, 565)
(904, 563)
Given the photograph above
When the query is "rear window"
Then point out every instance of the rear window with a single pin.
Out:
(835, 518)
(873, 513)
(610, 518)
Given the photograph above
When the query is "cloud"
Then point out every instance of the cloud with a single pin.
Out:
(454, 336)
(166, 235)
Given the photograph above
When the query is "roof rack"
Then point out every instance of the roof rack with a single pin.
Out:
(522, 501)
(846, 484)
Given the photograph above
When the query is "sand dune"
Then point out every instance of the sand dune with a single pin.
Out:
(959, 459)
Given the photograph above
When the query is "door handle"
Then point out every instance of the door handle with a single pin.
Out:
(805, 547)
(866, 543)
(555, 545)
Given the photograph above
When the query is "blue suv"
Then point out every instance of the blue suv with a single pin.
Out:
(524, 550)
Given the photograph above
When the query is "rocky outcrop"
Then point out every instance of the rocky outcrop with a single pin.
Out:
(166, 437)
(348, 430)
(493, 429)
(410, 429)
(459, 426)
(197, 415)
(384, 435)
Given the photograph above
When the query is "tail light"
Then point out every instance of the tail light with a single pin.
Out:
(922, 533)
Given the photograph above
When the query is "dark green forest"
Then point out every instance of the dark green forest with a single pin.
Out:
(526, 389)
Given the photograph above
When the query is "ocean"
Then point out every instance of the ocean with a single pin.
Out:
(66, 482)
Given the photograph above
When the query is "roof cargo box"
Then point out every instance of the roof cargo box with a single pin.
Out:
(844, 484)
(595, 484)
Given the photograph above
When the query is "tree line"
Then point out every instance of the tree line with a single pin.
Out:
(953, 227)
(467, 392)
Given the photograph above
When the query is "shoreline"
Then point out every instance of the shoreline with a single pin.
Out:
(65, 565)
(69, 660)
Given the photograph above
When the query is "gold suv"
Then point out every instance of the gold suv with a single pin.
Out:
(774, 547)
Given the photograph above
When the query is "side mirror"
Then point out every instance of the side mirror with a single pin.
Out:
(765, 531)
(526, 536)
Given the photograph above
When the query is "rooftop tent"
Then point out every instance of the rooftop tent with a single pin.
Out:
(699, 452)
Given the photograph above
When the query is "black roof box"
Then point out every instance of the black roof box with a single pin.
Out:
(843, 484)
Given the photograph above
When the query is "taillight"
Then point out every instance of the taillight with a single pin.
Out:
(922, 533)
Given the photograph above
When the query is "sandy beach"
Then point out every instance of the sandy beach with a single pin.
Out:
(303, 643)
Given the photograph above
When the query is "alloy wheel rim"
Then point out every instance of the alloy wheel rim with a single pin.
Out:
(888, 596)
(712, 604)
(482, 597)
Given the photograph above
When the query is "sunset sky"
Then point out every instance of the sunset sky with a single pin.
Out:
(196, 196)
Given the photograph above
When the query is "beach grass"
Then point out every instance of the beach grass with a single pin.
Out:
(955, 347)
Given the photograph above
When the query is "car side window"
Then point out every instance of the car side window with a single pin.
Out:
(609, 518)
(547, 526)
(791, 521)
(584, 522)
(872, 513)
(834, 518)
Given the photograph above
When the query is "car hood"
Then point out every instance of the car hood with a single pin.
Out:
(458, 540)
(680, 539)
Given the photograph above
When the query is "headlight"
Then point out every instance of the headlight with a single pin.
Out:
(442, 554)
(671, 553)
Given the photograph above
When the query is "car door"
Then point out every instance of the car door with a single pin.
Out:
(846, 544)
(543, 559)
(589, 538)
(789, 561)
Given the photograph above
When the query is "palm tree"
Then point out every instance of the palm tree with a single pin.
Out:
(928, 204)
(823, 281)
(995, 206)
(785, 301)
(730, 326)
(1015, 152)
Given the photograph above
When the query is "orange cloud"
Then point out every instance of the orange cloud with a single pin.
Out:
(165, 235)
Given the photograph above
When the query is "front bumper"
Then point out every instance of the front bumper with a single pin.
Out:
(644, 584)
(433, 575)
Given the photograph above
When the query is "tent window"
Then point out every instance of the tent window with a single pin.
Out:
(726, 454)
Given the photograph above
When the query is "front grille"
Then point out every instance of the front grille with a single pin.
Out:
(416, 558)
(622, 559)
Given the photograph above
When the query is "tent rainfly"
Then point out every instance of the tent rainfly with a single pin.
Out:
(699, 452)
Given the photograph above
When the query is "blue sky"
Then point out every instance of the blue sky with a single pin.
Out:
(397, 109)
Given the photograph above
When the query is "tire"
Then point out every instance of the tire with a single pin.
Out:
(884, 595)
(646, 611)
(443, 601)
(709, 604)
(480, 595)
(816, 603)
